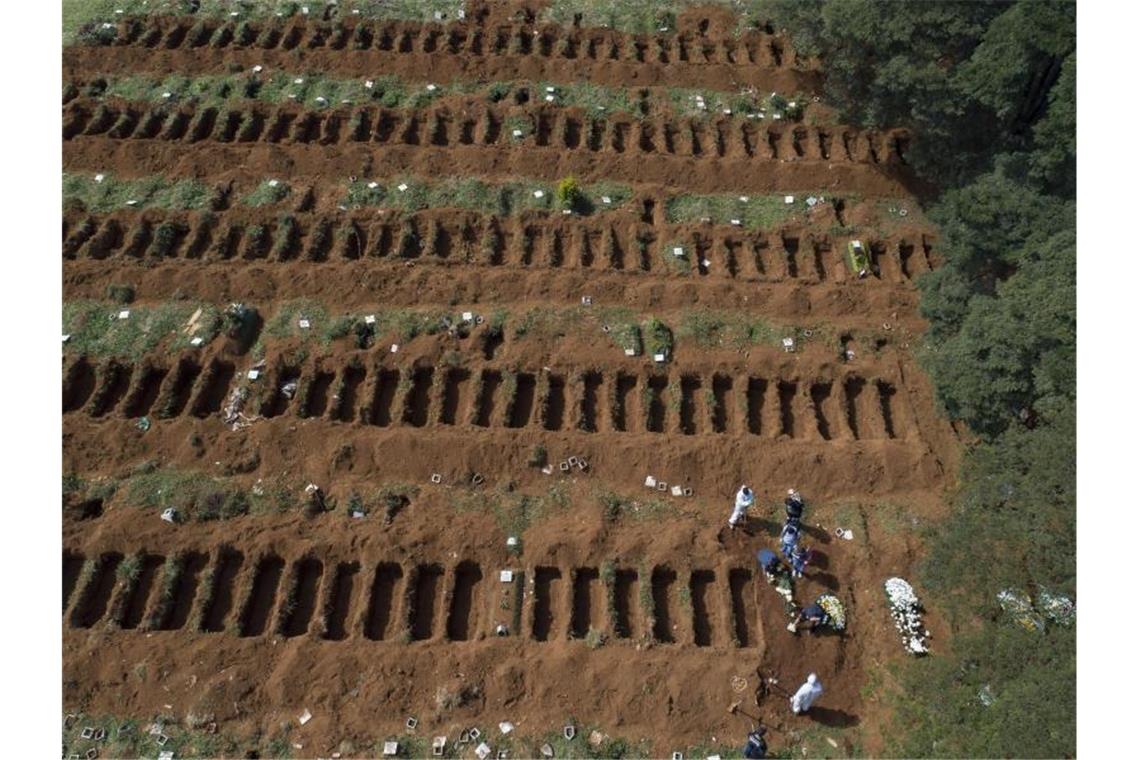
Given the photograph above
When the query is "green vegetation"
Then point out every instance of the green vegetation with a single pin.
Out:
(319, 324)
(80, 15)
(200, 497)
(988, 89)
(96, 328)
(109, 193)
(677, 256)
(316, 91)
(128, 737)
(658, 337)
(514, 512)
(267, 193)
(647, 16)
(630, 16)
(569, 193)
(702, 104)
(974, 80)
(616, 507)
(506, 199)
(710, 329)
(754, 212)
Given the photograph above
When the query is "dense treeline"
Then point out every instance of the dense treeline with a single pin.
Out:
(990, 92)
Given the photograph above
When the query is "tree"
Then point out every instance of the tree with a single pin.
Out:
(1003, 306)
(970, 79)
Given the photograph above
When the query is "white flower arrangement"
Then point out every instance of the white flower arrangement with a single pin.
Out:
(834, 609)
(906, 611)
(1053, 608)
(1058, 609)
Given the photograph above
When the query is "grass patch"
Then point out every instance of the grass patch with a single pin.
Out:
(149, 192)
(616, 507)
(128, 737)
(78, 14)
(514, 512)
(623, 328)
(267, 193)
(756, 212)
(677, 256)
(286, 323)
(315, 91)
(658, 337)
(718, 329)
(506, 199)
(544, 323)
(96, 330)
(770, 108)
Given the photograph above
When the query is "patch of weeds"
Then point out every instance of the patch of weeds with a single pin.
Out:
(685, 597)
(498, 91)
(73, 484)
(616, 507)
(537, 456)
(569, 194)
(394, 497)
(632, 17)
(96, 329)
(595, 638)
(337, 328)
(658, 337)
(129, 568)
(286, 323)
(676, 256)
(110, 193)
(497, 322)
(710, 329)
(518, 128)
(754, 212)
(267, 193)
(123, 294)
(544, 323)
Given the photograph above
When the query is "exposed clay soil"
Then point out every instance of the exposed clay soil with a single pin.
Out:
(367, 622)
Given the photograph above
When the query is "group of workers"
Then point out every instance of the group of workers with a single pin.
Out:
(798, 557)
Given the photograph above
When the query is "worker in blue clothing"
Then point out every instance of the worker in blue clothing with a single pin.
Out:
(789, 537)
(755, 748)
(801, 555)
(794, 506)
(769, 562)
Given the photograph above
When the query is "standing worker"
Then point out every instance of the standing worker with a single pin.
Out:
(806, 695)
(801, 555)
(794, 506)
(744, 500)
(789, 537)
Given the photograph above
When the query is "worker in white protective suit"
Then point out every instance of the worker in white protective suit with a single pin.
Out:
(744, 500)
(806, 695)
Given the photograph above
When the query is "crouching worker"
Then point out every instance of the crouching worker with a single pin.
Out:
(756, 748)
(769, 563)
(814, 616)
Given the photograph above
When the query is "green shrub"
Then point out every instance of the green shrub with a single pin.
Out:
(569, 193)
